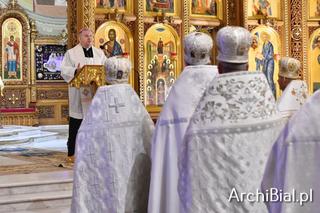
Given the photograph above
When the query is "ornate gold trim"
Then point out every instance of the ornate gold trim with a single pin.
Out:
(141, 47)
(287, 28)
(305, 42)
(88, 74)
(186, 24)
(227, 21)
(245, 13)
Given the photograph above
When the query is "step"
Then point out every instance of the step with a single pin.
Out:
(58, 144)
(23, 138)
(64, 209)
(36, 188)
(33, 201)
(61, 129)
(35, 182)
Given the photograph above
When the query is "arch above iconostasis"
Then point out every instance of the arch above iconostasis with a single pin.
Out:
(162, 64)
(123, 45)
(265, 53)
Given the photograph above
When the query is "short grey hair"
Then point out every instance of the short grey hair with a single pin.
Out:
(85, 29)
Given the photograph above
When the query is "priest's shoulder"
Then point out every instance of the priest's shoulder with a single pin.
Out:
(74, 49)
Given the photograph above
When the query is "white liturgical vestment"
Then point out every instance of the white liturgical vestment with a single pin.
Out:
(112, 168)
(69, 65)
(171, 126)
(293, 164)
(227, 144)
(292, 98)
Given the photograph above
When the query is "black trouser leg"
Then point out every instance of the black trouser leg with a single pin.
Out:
(74, 125)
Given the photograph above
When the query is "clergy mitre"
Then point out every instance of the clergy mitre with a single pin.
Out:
(233, 44)
(197, 48)
(118, 70)
(289, 67)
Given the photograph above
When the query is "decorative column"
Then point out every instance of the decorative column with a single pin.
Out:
(72, 23)
(81, 14)
(296, 10)
(140, 24)
(33, 33)
(86, 14)
(185, 15)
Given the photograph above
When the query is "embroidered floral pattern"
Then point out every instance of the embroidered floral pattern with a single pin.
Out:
(243, 96)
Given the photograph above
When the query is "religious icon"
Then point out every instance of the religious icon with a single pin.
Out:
(264, 8)
(160, 46)
(160, 5)
(111, 4)
(161, 92)
(314, 9)
(11, 49)
(48, 61)
(314, 61)
(264, 54)
(316, 44)
(317, 13)
(115, 39)
(112, 47)
(160, 62)
(12, 55)
(204, 7)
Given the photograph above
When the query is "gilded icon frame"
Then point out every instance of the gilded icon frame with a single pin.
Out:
(127, 32)
(154, 109)
(218, 16)
(176, 9)
(103, 10)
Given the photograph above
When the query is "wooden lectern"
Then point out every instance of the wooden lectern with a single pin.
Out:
(90, 75)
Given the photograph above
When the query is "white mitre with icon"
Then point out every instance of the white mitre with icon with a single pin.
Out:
(233, 44)
(296, 92)
(198, 48)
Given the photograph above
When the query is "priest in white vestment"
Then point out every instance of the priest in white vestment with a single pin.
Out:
(174, 120)
(112, 169)
(293, 164)
(295, 91)
(230, 134)
(79, 99)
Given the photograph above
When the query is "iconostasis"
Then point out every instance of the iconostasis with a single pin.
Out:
(284, 28)
(151, 32)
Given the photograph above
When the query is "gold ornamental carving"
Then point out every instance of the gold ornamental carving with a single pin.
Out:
(89, 74)
(86, 14)
(141, 47)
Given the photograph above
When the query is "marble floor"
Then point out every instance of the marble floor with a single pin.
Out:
(43, 192)
(44, 137)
